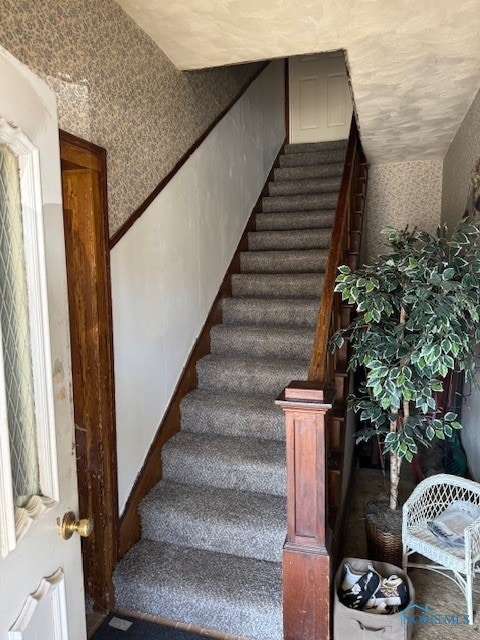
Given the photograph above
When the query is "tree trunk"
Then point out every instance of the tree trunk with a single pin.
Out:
(395, 426)
(394, 468)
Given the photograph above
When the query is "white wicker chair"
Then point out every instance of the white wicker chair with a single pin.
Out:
(430, 498)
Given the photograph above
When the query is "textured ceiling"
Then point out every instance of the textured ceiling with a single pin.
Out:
(414, 64)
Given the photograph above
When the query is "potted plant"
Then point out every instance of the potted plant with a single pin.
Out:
(418, 318)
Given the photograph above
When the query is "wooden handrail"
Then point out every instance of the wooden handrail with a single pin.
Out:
(318, 368)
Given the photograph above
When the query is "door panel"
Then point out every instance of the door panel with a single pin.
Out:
(41, 587)
(319, 101)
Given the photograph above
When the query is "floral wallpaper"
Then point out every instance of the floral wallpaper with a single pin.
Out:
(402, 193)
(116, 88)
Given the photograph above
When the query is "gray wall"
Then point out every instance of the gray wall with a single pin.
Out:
(460, 160)
(459, 163)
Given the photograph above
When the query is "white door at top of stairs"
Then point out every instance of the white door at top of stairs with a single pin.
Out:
(320, 102)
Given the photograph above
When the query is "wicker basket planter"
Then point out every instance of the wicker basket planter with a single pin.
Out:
(383, 528)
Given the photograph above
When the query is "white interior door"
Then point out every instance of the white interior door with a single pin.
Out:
(41, 583)
(320, 101)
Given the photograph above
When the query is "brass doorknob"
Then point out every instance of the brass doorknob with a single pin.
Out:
(70, 525)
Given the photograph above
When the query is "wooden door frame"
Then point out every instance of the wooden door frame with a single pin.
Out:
(96, 448)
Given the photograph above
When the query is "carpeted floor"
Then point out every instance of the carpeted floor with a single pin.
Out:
(120, 627)
(441, 595)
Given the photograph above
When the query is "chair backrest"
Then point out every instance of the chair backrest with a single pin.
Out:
(434, 494)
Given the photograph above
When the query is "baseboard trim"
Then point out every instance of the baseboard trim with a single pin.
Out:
(151, 472)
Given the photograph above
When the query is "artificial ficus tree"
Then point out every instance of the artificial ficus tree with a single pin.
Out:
(418, 318)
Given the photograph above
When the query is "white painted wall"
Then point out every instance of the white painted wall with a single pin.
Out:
(166, 271)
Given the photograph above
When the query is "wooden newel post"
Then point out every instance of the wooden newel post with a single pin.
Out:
(306, 559)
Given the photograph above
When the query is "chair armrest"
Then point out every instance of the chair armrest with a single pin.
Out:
(472, 542)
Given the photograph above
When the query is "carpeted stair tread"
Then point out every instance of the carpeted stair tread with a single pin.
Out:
(295, 220)
(326, 170)
(309, 147)
(240, 596)
(312, 157)
(232, 414)
(281, 285)
(305, 202)
(287, 240)
(244, 464)
(272, 311)
(308, 185)
(262, 341)
(292, 261)
(247, 374)
(241, 523)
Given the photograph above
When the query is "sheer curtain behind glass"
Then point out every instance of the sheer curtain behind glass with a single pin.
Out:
(15, 332)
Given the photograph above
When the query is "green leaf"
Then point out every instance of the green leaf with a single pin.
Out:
(469, 229)
(448, 273)
(449, 416)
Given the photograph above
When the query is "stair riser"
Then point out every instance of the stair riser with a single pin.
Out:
(306, 147)
(283, 261)
(292, 220)
(289, 240)
(269, 425)
(223, 473)
(303, 159)
(271, 312)
(235, 538)
(277, 286)
(299, 203)
(214, 376)
(280, 346)
(334, 170)
(197, 609)
(167, 591)
(299, 187)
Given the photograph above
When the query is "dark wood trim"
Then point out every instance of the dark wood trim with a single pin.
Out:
(306, 561)
(318, 363)
(287, 102)
(99, 454)
(164, 181)
(151, 471)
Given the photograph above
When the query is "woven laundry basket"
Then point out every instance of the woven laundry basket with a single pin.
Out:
(352, 624)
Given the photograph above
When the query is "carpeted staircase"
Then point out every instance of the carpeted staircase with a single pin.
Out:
(214, 527)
